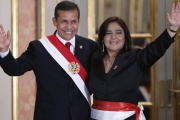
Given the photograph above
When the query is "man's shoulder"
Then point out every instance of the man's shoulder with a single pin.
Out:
(35, 43)
(81, 37)
(87, 40)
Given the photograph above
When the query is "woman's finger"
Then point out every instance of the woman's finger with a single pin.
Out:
(173, 9)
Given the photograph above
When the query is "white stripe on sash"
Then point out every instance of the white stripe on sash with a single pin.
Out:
(110, 115)
(114, 115)
(61, 60)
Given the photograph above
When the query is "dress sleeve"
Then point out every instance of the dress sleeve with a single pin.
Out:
(154, 51)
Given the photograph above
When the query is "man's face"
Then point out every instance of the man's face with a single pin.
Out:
(67, 24)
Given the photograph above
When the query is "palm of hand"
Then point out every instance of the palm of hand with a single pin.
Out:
(5, 40)
(174, 17)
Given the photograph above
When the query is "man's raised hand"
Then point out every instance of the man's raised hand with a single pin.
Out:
(5, 39)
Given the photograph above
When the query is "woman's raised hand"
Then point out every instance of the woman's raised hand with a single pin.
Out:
(174, 17)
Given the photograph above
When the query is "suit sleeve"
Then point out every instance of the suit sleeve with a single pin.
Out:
(154, 51)
(17, 67)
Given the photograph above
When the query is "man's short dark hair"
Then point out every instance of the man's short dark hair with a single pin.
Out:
(66, 6)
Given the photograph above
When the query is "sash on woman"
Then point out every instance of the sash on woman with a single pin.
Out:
(104, 110)
(68, 62)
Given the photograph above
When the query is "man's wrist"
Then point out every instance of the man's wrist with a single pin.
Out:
(4, 54)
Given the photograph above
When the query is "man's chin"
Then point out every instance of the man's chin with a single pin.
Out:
(68, 38)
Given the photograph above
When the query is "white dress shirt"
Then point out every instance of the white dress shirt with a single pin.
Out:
(72, 41)
(2, 55)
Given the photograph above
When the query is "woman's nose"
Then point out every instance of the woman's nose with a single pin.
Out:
(113, 36)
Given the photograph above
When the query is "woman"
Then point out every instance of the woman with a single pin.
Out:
(116, 69)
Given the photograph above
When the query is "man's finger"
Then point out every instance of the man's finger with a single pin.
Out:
(8, 35)
(2, 29)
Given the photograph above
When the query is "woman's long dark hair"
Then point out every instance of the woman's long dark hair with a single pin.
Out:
(102, 33)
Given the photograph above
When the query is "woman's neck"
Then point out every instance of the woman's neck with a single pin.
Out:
(112, 55)
(109, 59)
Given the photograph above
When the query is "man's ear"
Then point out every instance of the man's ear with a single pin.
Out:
(54, 21)
(79, 22)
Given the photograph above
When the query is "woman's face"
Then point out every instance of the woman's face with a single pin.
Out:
(115, 38)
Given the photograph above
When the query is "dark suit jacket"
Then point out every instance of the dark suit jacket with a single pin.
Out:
(121, 84)
(58, 98)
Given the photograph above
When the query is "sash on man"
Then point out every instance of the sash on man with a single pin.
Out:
(68, 62)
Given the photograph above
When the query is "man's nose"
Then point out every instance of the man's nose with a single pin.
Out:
(69, 26)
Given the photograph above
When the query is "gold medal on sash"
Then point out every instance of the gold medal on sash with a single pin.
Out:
(74, 68)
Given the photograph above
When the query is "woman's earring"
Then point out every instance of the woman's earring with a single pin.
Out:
(103, 46)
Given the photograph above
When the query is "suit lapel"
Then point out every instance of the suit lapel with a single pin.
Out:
(79, 49)
(99, 69)
(119, 65)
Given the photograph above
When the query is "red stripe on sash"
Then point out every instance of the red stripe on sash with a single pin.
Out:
(116, 106)
(68, 55)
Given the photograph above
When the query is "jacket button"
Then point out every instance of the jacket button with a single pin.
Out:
(105, 83)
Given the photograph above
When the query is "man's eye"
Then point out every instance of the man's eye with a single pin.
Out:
(74, 21)
(63, 21)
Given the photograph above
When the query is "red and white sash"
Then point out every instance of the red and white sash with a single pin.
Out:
(104, 110)
(64, 58)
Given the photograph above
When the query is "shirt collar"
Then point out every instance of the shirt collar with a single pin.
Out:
(72, 41)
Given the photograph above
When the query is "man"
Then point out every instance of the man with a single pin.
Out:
(61, 72)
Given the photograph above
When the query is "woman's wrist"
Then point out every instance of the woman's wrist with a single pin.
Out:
(173, 29)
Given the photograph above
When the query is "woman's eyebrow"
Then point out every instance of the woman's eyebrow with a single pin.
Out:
(118, 30)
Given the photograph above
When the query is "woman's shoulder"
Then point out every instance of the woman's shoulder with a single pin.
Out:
(96, 57)
(131, 53)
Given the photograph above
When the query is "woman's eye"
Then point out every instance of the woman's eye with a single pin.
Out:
(108, 33)
(119, 32)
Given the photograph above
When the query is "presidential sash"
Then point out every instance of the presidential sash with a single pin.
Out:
(105, 110)
(63, 56)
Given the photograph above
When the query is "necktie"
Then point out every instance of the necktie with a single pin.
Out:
(68, 44)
